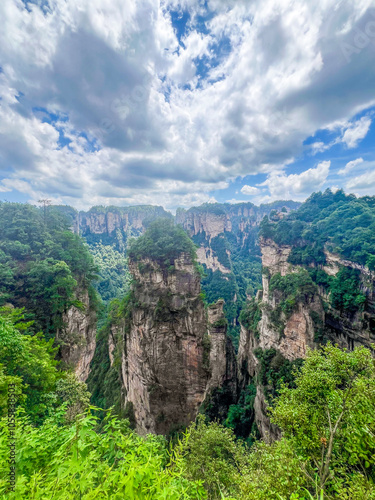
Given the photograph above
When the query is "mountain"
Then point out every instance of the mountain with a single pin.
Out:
(161, 360)
(226, 236)
(48, 271)
(165, 348)
(318, 285)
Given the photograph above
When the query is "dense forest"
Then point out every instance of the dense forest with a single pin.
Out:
(43, 265)
(76, 440)
(341, 223)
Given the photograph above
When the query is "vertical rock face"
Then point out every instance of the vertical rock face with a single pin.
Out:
(78, 336)
(128, 219)
(215, 219)
(312, 317)
(169, 357)
(223, 365)
(163, 357)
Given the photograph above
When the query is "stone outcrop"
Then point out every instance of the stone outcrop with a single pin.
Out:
(215, 219)
(106, 221)
(223, 365)
(170, 355)
(78, 336)
(309, 321)
(206, 256)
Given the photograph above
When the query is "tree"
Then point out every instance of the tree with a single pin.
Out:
(162, 241)
(330, 415)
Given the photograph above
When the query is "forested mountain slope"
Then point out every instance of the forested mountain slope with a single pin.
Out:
(48, 271)
(226, 236)
(162, 348)
(318, 286)
(163, 351)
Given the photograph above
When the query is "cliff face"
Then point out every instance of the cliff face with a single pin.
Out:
(311, 320)
(215, 219)
(227, 240)
(115, 224)
(207, 222)
(168, 355)
(78, 336)
(223, 365)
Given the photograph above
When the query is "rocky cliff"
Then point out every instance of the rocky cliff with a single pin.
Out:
(297, 308)
(77, 335)
(171, 356)
(214, 219)
(112, 224)
(228, 249)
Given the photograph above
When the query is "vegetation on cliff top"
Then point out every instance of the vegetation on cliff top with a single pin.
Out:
(42, 264)
(342, 223)
(162, 241)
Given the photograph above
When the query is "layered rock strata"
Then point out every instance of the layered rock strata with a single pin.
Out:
(78, 335)
(170, 357)
(311, 319)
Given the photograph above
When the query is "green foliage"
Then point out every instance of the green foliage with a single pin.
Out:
(104, 381)
(229, 470)
(345, 291)
(42, 264)
(162, 241)
(214, 457)
(329, 415)
(307, 254)
(30, 359)
(274, 473)
(114, 276)
(342, 223)
(275, 371)
(217, 285)
(220, 323)
(327, 451)
(241, 417)
(250, 316)
(74, 394)
(67, 462)
(295, 288)
(220, 246)
(216, 404)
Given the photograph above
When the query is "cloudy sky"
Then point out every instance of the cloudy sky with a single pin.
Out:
(179, 102)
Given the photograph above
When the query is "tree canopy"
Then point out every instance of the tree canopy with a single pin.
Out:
(162, 241)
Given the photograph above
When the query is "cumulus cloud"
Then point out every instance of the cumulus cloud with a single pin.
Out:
(295, 186)
(351, 165)
(356, 132)
(250, 190)
(105, 102)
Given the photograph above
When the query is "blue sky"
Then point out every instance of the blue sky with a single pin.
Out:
(180, 102)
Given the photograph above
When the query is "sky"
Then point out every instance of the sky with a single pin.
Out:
(182, 102)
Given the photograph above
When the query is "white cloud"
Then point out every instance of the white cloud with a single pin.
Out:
(364, 181)
(295, 186)
(118, 74)
(356, 132)
(351, 165)
(363, 184)
(250, 190)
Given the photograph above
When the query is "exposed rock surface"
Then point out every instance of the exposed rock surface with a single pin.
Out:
(205, 256)
(223, 365)
(215, 219)
(78, 336)
(169, 357)
(106, 221)
(292, 335)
